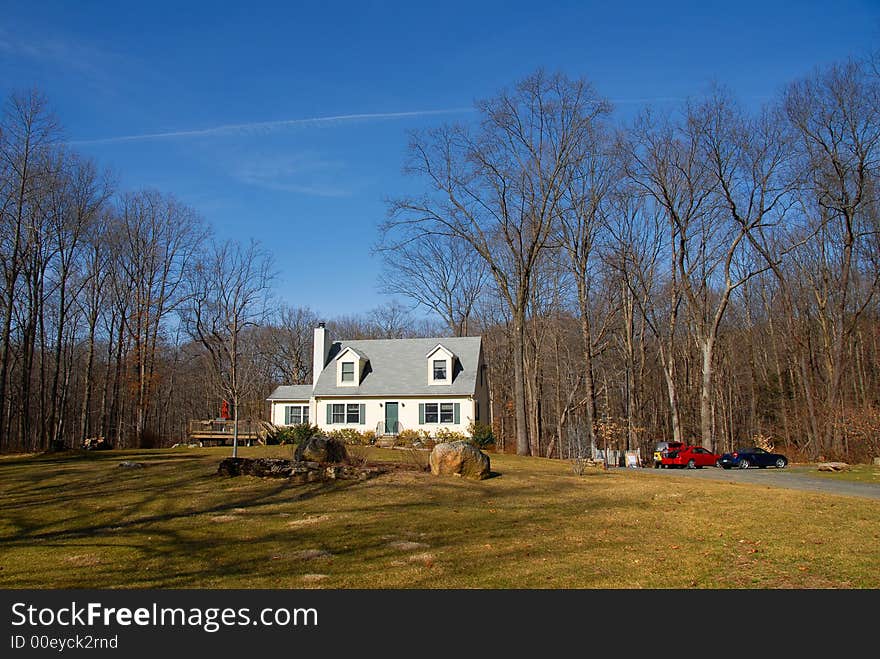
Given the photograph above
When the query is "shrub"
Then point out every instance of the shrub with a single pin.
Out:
(481, 434)
(290, 434)
(579, 466)
(357, 455)
(302, 431)
(860, 428)
(418, 458)
(353, 436)
(444, 435)
(408, 437)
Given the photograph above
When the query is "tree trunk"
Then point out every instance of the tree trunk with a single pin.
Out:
(519, 391)
(706, 381)
(86, 409)
(589, 385)
(668, 362)
(235, 426)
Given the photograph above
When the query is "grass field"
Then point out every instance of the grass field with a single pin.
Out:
(858, 473)
(80, 521)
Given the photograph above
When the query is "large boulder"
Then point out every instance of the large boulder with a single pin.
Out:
(321, 449)
(459, 459)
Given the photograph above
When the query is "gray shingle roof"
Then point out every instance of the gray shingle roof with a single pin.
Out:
(292, 392)
(399, 367)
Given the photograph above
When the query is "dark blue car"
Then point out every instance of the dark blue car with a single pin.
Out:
(753, 457)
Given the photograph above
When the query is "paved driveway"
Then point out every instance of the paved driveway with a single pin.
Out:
(792, 477)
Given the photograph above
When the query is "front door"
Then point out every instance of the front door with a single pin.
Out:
(390, 418)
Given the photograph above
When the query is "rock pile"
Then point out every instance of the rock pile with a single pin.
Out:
(832, 466)
(296, 471)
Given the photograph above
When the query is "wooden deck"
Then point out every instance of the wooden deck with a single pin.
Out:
(219, 432)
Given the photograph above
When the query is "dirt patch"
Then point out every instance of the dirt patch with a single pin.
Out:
(407, 546)
(397, 466)
(224, 518)
(311, 554)
(314, 578)
(308, 521)
(83, 560)
(425, 559)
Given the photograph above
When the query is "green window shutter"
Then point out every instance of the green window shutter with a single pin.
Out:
(363, 413)
(329, 413)
(421, 414)
(457, 409)
(287, 415)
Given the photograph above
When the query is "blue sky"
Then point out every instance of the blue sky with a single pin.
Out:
(287, 122)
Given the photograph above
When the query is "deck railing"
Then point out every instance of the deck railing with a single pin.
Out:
(221, 430)
(386, 429)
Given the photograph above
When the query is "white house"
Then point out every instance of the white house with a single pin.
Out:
(389, 385)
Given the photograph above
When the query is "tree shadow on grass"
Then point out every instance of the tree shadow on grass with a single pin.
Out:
(183, 526)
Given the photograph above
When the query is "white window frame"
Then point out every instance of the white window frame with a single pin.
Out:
(436, 412)
(450, 411)
(438, 354)
(333, 413)
(342, 372)
(352, 415)
(303, 412)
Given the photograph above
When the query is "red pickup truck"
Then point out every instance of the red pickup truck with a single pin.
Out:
(691, 457)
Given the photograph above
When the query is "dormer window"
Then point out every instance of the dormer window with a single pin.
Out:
(441, 365)
(350, 368)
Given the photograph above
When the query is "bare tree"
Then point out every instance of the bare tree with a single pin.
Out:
(721, 279)
(28, 132)
(836, 114)
(392, 320)
(667, 173)
(748, 160)
(438, 272)
(580, 222)
(630, 252)
(96, 272)
(229, 293)
(76, 201)
(286, 344)
(500, 188)
(157, 242)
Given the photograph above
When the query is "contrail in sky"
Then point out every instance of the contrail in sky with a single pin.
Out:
(266, 126)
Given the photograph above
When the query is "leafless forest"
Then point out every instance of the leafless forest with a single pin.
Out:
(707, 274)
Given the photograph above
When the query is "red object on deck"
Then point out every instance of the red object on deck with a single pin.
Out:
(224, 410)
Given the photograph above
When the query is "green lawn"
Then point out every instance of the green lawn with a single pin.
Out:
(859, 473)
(80, 521)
